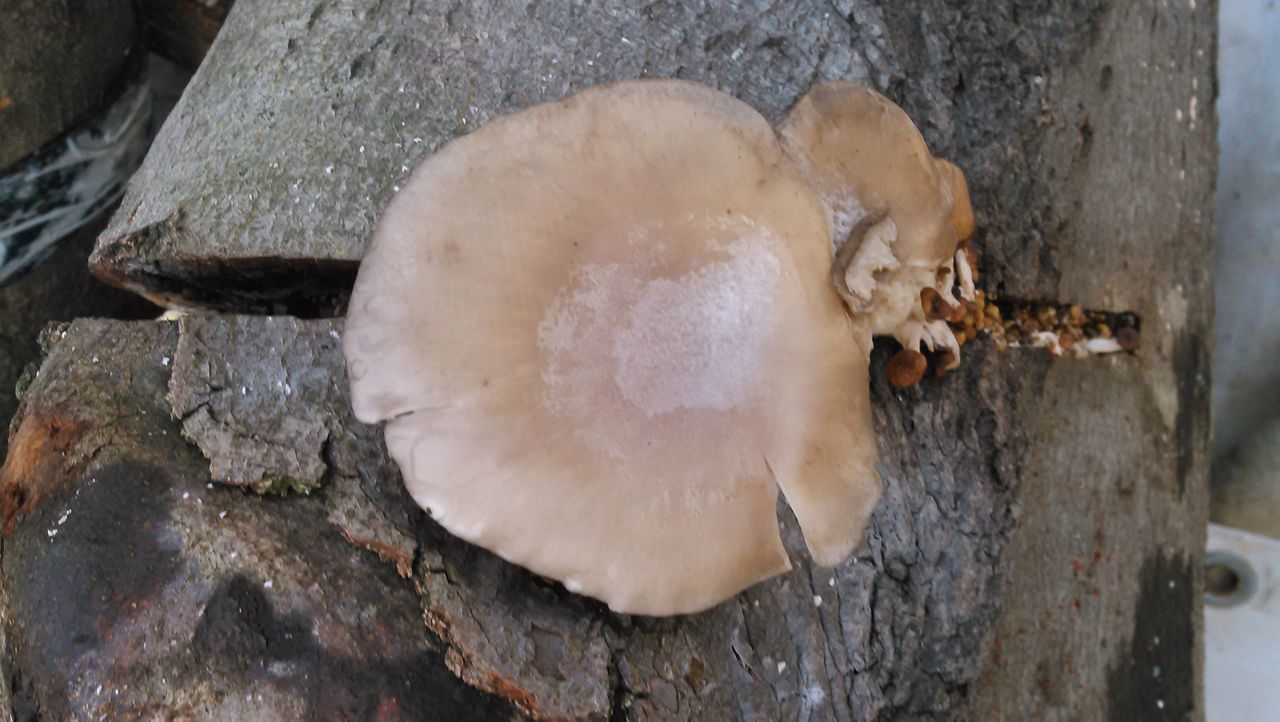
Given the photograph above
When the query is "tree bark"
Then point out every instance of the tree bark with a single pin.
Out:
(1070, 493)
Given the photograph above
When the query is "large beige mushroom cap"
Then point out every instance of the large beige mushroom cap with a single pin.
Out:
(602, 332)
(867, 160)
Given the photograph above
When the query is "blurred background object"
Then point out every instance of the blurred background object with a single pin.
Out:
(1242, 623)
(69, 182)
(80, 99)
(1242, 618)
(59, 64)
(1246, 273)
(182, 30)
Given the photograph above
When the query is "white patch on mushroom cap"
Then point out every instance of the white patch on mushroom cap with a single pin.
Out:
(699, 341)
(694, 341)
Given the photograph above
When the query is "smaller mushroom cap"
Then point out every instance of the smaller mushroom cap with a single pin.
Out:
(602, 334)
(868, 162)
(961, 210)
(863, 154)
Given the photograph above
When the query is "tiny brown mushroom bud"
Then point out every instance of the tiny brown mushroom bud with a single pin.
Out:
(1127, 337)
(956, 314)
(906, 368)
(935, 308)
(1066, 340)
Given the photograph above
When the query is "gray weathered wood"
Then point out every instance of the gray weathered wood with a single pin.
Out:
(1104, 570)
(265, 183)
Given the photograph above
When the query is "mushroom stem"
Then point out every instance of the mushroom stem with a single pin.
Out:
(946, 275)
(965, 275)
(932, 335)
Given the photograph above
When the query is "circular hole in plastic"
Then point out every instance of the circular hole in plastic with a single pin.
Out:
(1221, 580)
(1228, 579)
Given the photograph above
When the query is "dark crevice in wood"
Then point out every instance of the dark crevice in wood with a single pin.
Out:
(304, 288)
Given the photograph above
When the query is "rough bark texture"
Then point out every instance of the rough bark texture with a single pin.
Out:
(899, 630)
(182, 30)
(1085, 128)
(1104, 568)
(136, 589)
(57, 62)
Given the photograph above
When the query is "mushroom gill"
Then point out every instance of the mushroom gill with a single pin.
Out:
(602, 334)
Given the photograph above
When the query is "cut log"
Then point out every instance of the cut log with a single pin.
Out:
(59, 289)
(899, 629)
(265, 183)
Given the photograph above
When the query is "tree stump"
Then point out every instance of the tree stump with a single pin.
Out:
(1067, 493)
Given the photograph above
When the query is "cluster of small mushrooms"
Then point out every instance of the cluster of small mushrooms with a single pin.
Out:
(604, 332)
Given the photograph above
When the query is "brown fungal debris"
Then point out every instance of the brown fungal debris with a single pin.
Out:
(906, 368)
(947, 361)
(1127, 337)
(604, 332)
(935, 308)
(1061, 328)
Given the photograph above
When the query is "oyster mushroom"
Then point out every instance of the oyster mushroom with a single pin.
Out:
(897, 214)
(602, 334)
